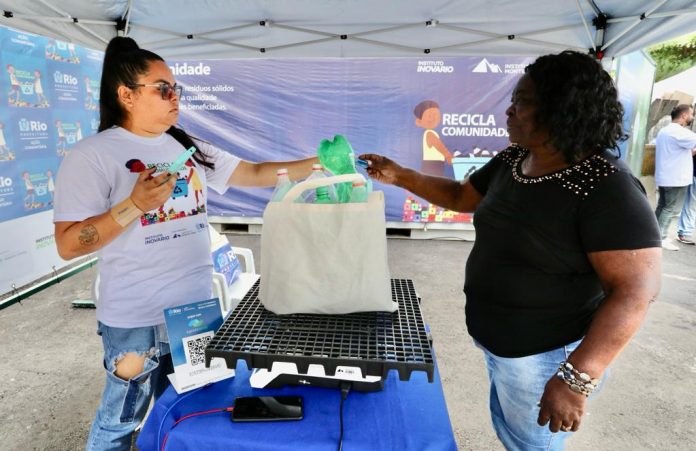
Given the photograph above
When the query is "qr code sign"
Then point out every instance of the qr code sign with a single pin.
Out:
(194, 347)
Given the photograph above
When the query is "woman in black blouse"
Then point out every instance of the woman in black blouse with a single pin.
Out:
(572, 240)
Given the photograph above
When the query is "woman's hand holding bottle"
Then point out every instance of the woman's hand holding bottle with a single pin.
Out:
(151, 192)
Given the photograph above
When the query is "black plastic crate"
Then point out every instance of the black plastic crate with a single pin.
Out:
(375, 342)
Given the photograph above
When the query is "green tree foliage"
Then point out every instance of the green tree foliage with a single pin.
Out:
(674, 56)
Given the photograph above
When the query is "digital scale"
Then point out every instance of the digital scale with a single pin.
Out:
(326, 350)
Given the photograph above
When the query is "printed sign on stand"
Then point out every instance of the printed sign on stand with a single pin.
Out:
(190, 327)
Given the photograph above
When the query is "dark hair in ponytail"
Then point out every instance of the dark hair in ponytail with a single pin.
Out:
(124, 62)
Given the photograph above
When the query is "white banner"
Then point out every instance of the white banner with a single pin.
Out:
(28, 250)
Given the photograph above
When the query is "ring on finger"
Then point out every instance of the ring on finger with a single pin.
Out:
(565, 428)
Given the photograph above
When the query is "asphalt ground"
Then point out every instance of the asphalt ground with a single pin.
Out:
(52, 373)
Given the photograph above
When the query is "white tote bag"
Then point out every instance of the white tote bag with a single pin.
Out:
(325, 258)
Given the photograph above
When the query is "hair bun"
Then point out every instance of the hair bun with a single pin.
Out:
(119, 45)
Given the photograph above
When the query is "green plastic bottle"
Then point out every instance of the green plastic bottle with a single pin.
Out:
(323, 196)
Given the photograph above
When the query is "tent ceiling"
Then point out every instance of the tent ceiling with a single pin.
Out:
(309, 28)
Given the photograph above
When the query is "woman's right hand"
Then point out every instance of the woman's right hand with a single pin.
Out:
(382, 168)
(150, 192)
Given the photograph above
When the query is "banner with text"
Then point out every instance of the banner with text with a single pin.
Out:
(49, 97)
(444, 116)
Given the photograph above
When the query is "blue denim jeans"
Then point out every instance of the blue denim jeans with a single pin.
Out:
(669, 205)
(517, 385)
(124, 403)
(687, 219)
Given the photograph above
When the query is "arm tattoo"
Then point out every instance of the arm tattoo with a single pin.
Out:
(89, 235)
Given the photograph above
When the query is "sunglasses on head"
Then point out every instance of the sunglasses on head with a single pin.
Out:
(166, 90)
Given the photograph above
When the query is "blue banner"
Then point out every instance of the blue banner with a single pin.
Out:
(404, 108)
(49, 94)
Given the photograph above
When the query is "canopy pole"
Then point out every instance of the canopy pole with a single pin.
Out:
(388, 44)
(634, 24)
(497, 37)
(31, 17)
(126, 28)
(594, 7)
(511, 38)
(200, 35)
(676, 12)
(297, 44)
(74, 19)
(336, 35)
(587, 28)
(190, 36)
(303, 30)
(383, 30)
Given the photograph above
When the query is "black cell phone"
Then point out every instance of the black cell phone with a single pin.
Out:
(267, 408)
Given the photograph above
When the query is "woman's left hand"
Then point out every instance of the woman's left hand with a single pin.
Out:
(561, 407)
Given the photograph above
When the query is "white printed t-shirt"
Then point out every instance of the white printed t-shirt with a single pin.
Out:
(673, 158)
(163, 258)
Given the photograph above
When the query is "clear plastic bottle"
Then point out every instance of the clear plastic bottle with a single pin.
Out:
(321, 195)
(283, 185)
(359, 192)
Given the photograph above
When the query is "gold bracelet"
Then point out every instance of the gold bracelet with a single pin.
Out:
(125, 212)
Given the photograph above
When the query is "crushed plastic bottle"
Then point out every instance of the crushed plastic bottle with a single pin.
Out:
(337, 157)
(283, 185)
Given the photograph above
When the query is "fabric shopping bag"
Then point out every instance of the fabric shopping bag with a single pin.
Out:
(325, 258)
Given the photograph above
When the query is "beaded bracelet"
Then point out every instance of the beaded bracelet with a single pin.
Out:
(577, 381)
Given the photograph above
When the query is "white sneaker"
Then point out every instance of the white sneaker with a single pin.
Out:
(668, 245)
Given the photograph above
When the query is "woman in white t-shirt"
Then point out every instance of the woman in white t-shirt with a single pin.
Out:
(114, 195)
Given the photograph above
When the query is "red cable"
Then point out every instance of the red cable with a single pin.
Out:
(191, 415)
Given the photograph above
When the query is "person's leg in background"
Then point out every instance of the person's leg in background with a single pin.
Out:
(517, 385)
(687, 219)
(669, 205)
(131, 360)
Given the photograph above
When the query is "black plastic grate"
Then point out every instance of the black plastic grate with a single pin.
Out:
(375, 342)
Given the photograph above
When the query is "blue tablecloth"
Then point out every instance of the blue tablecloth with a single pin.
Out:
(406, 415)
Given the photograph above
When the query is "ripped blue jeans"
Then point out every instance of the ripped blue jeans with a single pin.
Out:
(124, 403)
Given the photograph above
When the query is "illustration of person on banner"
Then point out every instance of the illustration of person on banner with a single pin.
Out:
(73, 55)
(195, 182)
(574, 244)
(41, 100)
(78, 131)
(89, 96)
(5, 153)
(15, 88)
(61, 141)
(30, 192)
(436, 156)
(50, 185)
(114, 196)
(50, 49)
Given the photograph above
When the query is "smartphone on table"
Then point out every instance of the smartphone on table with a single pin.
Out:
(267, 408)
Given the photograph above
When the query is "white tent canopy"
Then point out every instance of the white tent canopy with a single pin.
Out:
(358, 28)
